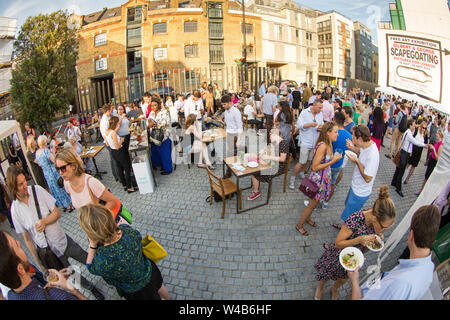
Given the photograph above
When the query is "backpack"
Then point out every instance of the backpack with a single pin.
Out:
(402, 125)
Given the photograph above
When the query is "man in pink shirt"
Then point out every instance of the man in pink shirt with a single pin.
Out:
(328, 109)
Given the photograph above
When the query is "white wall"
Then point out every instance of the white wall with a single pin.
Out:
(430, 16)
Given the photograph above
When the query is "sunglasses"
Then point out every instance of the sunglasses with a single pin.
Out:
(62, 168)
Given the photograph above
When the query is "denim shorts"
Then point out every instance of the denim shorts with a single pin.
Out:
(353, 203)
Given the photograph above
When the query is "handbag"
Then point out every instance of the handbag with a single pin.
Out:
(46, 255)
(157, 136)
(309, 188)
(152, 249)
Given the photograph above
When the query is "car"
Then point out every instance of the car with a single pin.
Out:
(292, 83)
(163, 91)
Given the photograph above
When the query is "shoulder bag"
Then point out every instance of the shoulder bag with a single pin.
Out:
(152, 249)
(308, 187)
(46, 255)
(397, 155)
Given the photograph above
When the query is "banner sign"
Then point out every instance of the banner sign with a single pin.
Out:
(414, 65)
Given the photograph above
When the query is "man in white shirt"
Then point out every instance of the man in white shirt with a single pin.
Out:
(269, 105)
(367, 161)
(145, 104)
(309, 124)
(194, 105)
(406, 148)
(234, 129)
(44, 232)
(104, 125)
(412, 277)
(250, 111)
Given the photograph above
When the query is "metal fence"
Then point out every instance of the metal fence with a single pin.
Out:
(170, 82)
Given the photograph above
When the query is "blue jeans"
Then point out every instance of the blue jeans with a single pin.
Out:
(353, 203)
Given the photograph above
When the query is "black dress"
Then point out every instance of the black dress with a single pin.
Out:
(416, 153)
(297, 98)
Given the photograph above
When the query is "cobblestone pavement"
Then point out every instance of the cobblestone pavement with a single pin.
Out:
(255, 255)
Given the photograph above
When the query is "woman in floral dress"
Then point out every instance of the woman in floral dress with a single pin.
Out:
(321, 173)
(45, 158)
(358, 232)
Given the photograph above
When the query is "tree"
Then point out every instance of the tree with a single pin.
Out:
(44, 76)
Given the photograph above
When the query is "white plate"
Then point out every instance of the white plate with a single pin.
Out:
(357, 253)
(380, 241)
(252, 164)
(350, 153)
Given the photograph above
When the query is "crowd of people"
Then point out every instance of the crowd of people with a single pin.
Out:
(322, 130)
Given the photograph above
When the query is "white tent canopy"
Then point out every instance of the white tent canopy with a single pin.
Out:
(9, 127)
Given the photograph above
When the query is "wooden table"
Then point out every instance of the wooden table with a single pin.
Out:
(220, 134)
(247, 172)
(85, 155)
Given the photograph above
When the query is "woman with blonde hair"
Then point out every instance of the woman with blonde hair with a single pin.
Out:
(115, 254)
(35, 168)
(357, 116)
(46, 160)
(357, 231)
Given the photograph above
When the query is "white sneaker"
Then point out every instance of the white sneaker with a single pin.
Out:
(324, 204)
(306, 203)
(292, 184)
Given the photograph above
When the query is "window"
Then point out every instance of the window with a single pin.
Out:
(191, 51)
(135, 14)
(249, 50)
(296, 33)
(134, 37)
(160, 54)
(247, 28)
(101, 64)
(100, 40)
(216, 53)
(278, 31)
(190, 26)
(308, 36)
(160, 28)
(215, 10)
(215, 30)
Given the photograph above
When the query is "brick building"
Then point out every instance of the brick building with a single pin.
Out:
(144, 45)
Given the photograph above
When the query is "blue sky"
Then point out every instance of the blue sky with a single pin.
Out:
(369, 12)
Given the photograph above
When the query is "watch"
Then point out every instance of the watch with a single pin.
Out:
(93, 248)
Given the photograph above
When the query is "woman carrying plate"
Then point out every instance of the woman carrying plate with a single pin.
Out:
(280, 145)
(356, 232)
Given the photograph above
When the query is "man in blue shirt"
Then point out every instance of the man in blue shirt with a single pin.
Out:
(15, 275)
(411, 279)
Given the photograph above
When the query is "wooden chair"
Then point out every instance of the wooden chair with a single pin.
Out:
(286, 172)
(224, 187)
(245, 121)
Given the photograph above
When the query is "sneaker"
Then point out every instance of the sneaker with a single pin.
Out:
(254, 196)
(292, 184)
(306, 203)
(324, 204)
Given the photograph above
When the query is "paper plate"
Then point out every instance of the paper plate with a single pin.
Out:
(380, 241)
(252, 164)
(350, 153)
(357, 253)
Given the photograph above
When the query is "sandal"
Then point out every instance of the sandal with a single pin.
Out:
(312, 223)
(304, 233)
(337, 225)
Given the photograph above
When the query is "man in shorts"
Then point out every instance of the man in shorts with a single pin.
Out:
(309, 124)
